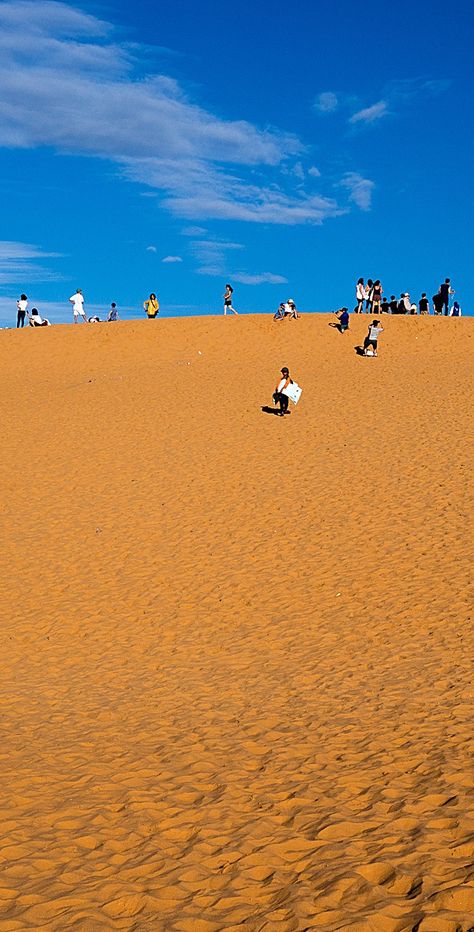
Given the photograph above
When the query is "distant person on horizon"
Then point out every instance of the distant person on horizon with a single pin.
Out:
(424, 304)
(360, 296)
(369, 292)
(290, 310)
(77, 301)
(455, 310)
(151, 306)
(438, 303)
(376, 296)
(404, 304)
(446, 291)
(393, 305)
(384, 307)
(372, 338)
(113, 313)
(36, 320)
(280, 312)
(278, 396)
(227, 296)
(22, 306)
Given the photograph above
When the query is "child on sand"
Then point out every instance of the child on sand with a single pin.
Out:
(372, 338)
(278, 396)
(227, 296)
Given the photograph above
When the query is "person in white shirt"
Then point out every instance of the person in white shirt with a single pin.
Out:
(36, 320)
(77, 301)
(360, 296)
(278, 396)
(372, 337)
(22, 306)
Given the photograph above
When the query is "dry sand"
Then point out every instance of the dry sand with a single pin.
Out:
(235, 672)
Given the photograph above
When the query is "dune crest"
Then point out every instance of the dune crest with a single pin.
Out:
(236, 677)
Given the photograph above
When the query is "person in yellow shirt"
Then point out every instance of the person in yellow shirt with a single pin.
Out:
(151, 306)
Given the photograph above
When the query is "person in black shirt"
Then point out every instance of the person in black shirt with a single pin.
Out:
(445, 291)
(438, 303)
(424, 304)
(385, 307)
(393, 305)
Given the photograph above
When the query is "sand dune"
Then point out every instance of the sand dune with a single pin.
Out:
(236, 669)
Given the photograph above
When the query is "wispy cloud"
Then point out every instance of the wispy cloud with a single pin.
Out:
(262, 278)
(326, 102)
(151, 248)
(169, 260)
(370, 114)
(22, 262)
(68, 83)
(360, 189)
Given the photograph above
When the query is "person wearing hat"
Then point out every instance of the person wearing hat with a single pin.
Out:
(77, 301)
(290, 310)
(278, 396)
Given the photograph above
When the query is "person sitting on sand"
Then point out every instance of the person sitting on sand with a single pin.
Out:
(278, 396)
(343, 318)
(372, 338)
(384, 306)
(290, 310)
(393, 304)
(151, 306)
(227, 296)
(455, 310)
(280, 312)
(113, 313)
(35, 319)
(424, 304)
(95, 319)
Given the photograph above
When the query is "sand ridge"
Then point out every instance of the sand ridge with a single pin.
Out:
(236, 684)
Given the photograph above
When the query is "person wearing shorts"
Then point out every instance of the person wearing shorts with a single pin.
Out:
(227, 296)
(372, 336)
(77, 301)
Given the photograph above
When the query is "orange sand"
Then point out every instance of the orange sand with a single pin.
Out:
(235, 678)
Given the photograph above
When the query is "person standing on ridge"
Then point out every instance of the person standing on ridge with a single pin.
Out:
(360, 296)
(227, 296)
(77, 301)
(151, 306)
(22, 305)
(424, 304)
(445, 291)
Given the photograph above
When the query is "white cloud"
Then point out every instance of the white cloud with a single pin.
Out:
(314, 172)
(67, 84)
(370, 114)
(22, 262)
(360, 189)
(326, 102)
(264, 278)
(151, 248)
(170, 259)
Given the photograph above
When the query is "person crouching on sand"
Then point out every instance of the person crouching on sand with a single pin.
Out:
(278, 396)
(343, 318)
(227, 296)
(372, 337)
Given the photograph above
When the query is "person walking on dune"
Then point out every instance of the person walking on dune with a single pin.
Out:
(151, 306)
(77, 301)
(227, 296)
(22, 306)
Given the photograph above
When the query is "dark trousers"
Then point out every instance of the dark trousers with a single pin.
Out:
(20, 319)
(283, 401)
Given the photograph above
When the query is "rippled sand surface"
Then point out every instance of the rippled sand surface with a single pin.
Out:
(236, 649)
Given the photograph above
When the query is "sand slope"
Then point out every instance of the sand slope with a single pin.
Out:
(236, 650)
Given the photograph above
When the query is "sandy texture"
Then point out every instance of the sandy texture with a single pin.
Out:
(236, 684)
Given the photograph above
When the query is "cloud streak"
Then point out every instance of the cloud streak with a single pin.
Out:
(21, 262)
(370, 114)
(66, 83)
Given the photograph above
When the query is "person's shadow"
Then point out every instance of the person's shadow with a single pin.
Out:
(359, 350)
(268, 410)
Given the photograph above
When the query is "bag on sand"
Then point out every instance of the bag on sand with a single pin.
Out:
(293, 392)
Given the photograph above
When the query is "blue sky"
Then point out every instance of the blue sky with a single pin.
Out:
(288, 149)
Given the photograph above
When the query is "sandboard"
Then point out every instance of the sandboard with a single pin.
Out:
(293, 392)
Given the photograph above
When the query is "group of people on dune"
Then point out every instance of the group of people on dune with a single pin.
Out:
(369, 300)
